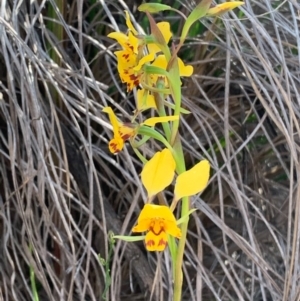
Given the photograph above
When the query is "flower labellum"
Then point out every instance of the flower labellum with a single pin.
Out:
(158, 222)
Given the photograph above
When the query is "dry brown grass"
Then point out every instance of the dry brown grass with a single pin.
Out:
(61, 191)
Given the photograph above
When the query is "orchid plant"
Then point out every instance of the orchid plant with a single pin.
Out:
(146, 63)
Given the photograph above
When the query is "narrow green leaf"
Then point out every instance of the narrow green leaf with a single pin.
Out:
(173, 251)
(172, 106)
(130, 238)
(150, 132)
(153, 7)
(198, 12)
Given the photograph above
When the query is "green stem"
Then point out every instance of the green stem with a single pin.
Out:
(150, 132)
(154, 89)
(180, 251)
(137, 144)
(139, 155)
(185, 208)
(159, 99)
(175, 85)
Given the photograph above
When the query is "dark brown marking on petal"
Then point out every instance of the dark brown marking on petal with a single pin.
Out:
(135, 79)
(114, 147)
(156, 233)
(126, 136)
(162, 242)
(150, 243)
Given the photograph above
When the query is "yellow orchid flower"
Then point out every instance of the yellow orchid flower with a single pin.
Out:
(128, 57)
(132, 57)
(158, 222)
(123, 132)
(127, 63)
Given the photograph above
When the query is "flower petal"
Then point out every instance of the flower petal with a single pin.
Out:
(120, 37)
(160, 61)
(133, 43)
(164, 27)
(145, 100)
(129, 24)
(126, 132)
(126, 63)
(156, 211)
(143, 225)
(158, 172)
(184, 70)
(154, 120)
(113, 119)
(155, 242)
(192, 181)
(223, 8)
(115, 145)
(172, 229)
(147, 58)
